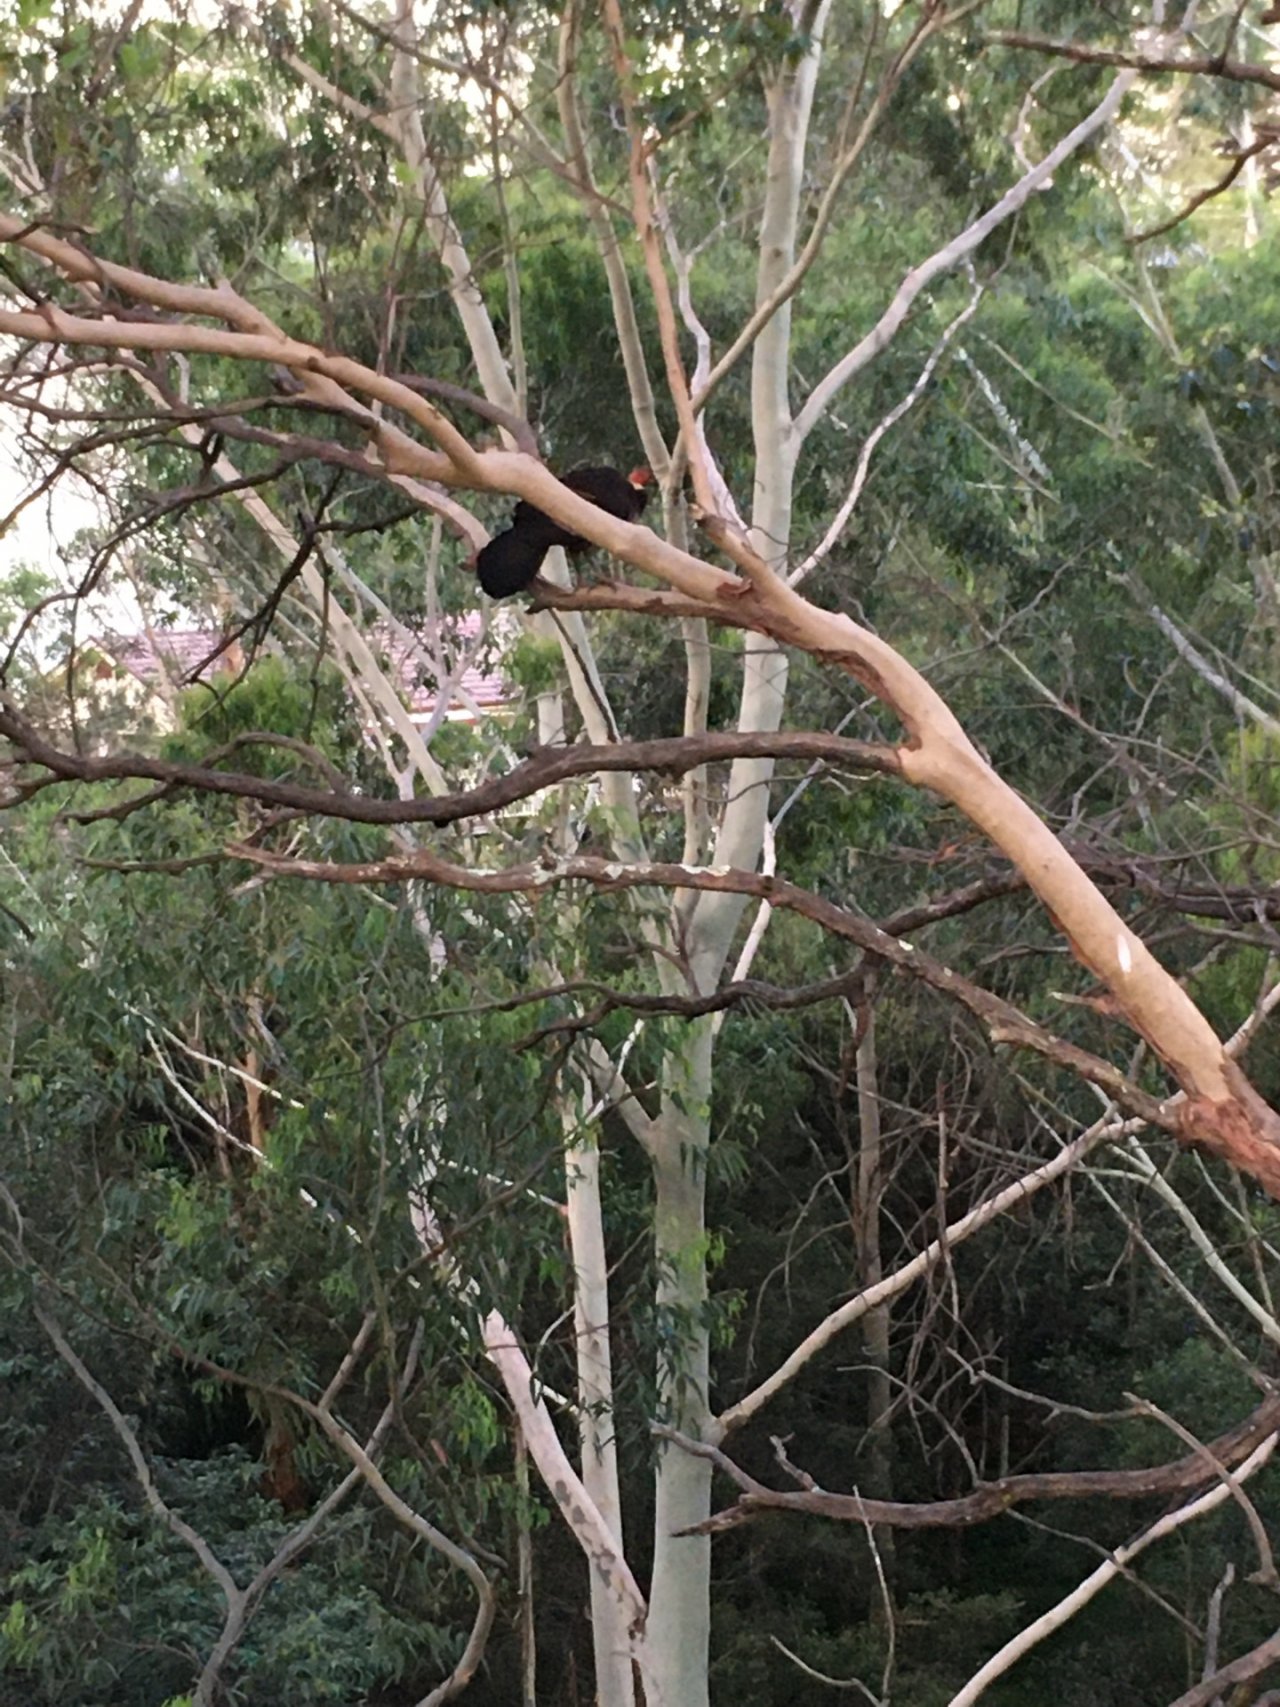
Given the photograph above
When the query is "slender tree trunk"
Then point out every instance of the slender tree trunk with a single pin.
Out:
(585, 1220)
(614, 1683)
(679, 1596)
(524, 1579)
(876, 1480)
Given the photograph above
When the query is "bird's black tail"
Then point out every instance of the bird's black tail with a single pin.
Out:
(511, 559)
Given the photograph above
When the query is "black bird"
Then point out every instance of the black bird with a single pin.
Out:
(512, 558)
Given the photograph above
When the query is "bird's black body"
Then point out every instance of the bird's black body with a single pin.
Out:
(511, 559)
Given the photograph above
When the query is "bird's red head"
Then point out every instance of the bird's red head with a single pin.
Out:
(641, 477)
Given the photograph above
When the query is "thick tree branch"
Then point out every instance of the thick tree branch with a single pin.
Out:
(1107, 1572)
(1157, 64)
(1002, 1021)
(546, 767)
(988, 1499)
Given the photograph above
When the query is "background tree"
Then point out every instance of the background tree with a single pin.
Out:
(347, 1222)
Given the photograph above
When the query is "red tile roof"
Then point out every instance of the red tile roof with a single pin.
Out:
(414, 660)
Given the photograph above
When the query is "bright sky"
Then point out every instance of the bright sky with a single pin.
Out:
(43, 532)
(42, 526)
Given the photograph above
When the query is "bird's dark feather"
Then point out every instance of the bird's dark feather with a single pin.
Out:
(512, 558)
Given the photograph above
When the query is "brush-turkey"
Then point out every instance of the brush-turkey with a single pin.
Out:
(512, 558)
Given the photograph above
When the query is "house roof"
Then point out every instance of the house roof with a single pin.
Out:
(415, 661)
(413, 666)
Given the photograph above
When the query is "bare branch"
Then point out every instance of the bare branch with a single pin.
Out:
(952, 253)
(1004, 1023)
(992, 1499)
(232, 1594)
(1197, 65)
(1238, 163)
(1240, 1670)
(1146, 1170)
(600, 218)
(1111, 1568)
(744, 1409)
(522, 434)
(1244, 707)
(295, 1544)
(366, 1467)
(823, 1677)
(841, 519)
(1208, 1452)
(561, 1480)
(49, 324)
(728, 612)
(930, 21)
(647, 231)
(546, 767)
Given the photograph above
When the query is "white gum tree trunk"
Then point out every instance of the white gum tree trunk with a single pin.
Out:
(680, 1595)
(597, 1442)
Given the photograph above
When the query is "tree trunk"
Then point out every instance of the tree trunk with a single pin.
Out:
(614, 1683)
(876, 1480)
(679, 1595)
